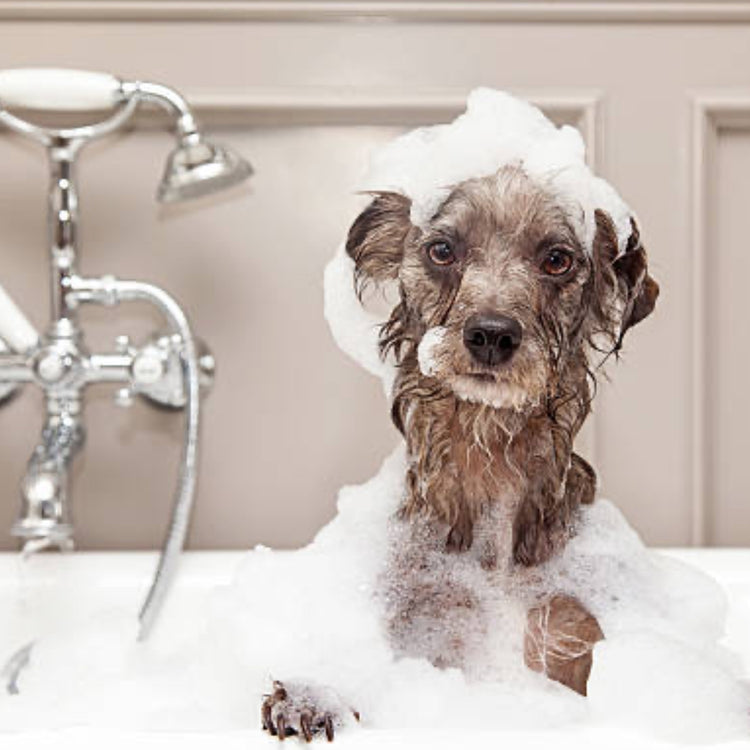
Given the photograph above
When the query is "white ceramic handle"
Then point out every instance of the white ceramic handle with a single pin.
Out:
(15, 328)
(58, 89)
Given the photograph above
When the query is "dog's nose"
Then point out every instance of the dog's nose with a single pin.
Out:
(492, 339)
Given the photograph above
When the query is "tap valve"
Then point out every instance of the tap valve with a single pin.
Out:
(149, 366)
(52, 367)
(156, 371)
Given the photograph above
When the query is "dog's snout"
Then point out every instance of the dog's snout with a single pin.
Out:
(492, 339)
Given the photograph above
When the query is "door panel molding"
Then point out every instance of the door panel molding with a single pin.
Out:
(712, 112)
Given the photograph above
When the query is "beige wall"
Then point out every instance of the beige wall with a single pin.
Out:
(662, 93)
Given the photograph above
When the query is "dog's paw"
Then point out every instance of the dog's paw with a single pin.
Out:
(304, 710)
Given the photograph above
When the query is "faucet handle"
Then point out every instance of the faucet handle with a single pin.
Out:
(158, 371)
(124, 397)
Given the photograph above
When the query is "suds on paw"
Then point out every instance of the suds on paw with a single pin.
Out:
(306, 711)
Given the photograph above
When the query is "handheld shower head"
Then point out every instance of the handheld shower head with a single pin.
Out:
(196, 168)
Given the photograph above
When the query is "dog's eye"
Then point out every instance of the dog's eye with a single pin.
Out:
(557, 262)
(441, 253)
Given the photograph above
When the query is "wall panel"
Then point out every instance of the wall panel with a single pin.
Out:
(305, 93)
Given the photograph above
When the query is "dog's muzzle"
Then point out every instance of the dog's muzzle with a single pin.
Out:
(492, 339)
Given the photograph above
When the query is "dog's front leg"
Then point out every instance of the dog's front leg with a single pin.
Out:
(560, 631)
(559, 640)
(544, 516)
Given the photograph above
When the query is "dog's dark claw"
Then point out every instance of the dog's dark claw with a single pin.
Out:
(304, 711)
(266, 716)
(305, 723)
(328, 723)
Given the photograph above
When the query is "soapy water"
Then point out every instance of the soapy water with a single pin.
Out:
(314, 616)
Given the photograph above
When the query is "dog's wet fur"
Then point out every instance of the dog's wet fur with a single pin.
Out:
(492, 477)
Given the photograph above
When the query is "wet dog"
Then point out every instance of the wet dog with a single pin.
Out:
(503, 314)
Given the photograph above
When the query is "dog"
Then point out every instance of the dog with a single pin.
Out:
(501, 319)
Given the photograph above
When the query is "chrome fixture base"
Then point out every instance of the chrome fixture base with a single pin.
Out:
(168, 370)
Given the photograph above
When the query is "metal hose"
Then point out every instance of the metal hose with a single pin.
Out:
(183, 503)
(110, 290)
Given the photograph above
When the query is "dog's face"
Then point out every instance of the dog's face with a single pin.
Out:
(497, 290)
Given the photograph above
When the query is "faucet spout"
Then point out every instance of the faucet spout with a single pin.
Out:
(45, 515)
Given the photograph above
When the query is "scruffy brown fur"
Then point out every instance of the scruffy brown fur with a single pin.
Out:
(466, 446)
(479, 436)
(492, 479)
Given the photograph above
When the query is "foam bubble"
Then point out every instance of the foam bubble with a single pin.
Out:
(495, 131)
(426, 350)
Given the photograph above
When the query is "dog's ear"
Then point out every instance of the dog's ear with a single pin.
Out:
(376, 238)
(636, 292)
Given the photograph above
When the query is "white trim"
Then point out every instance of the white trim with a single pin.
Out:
(343, 106)
(337, 105)
(424, 11)
(698, 213)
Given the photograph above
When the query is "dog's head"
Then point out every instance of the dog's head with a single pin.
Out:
(497, 292)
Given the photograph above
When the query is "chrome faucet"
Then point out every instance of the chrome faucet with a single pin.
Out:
(170, 369)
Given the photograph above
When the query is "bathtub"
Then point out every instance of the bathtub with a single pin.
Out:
(121, 579)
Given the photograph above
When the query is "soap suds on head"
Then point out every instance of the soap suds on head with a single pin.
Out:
(497, 130)
(355, 328)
